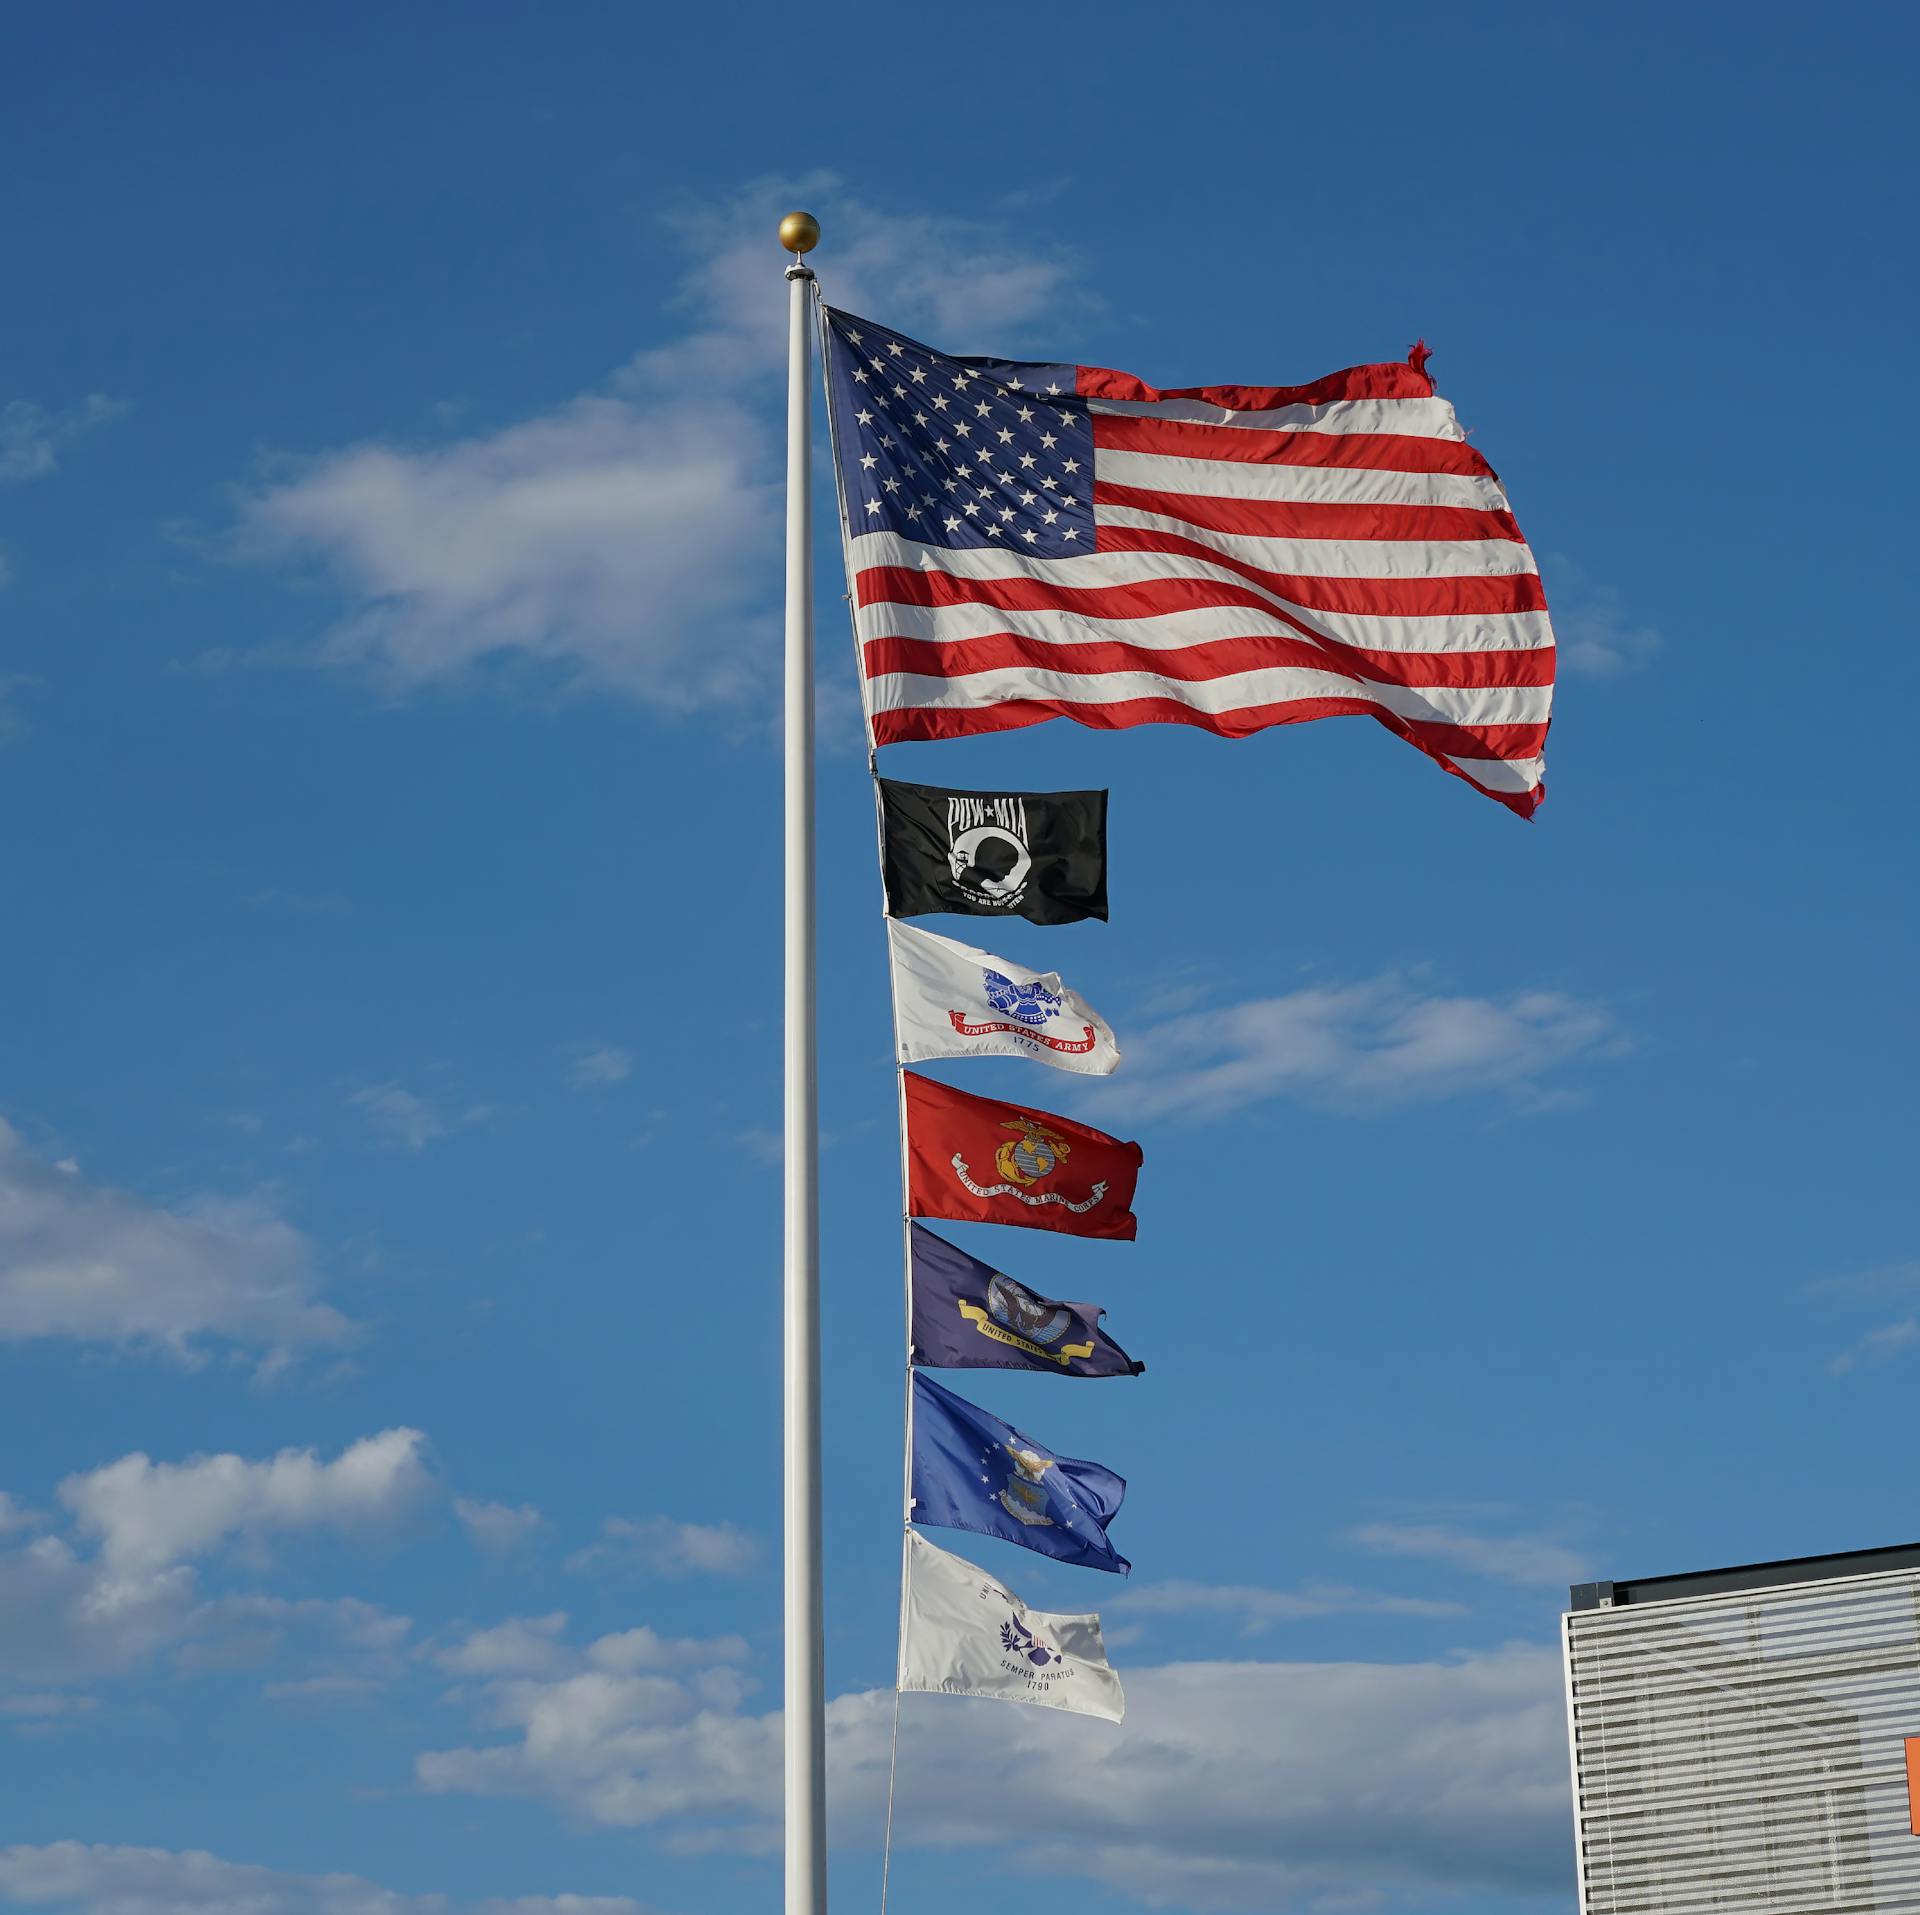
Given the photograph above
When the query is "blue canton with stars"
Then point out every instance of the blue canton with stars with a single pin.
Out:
(958, 452)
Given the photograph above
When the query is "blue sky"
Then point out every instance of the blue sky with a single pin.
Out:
(389, 815)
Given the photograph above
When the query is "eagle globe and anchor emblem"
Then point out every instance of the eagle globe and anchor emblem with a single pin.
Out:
(1026, 1160)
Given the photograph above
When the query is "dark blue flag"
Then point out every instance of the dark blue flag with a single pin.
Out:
(972, 1471)
(969, 1316)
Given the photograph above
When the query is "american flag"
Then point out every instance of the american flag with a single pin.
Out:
(1031, 541)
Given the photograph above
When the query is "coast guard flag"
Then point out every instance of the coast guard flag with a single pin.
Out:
(972, 1471)
(954, 1001)
(969, 1316)
(1034, 541)
(987, 1162)
(964, 1634)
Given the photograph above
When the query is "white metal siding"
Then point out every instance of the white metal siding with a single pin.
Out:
(1748, 1751)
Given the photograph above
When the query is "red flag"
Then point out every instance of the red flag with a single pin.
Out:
(986, 1162)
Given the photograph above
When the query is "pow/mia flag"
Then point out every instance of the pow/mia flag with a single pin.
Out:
(969, 1316)
(1040, 855)
(963, 1634)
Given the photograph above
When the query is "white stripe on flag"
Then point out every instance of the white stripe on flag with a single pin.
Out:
(1342, 558)
(1302, 484)
(1169, 631)
(1408, 418)
(1444, 705)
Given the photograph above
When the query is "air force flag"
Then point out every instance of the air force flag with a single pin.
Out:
(972, 1471)
(954, 1001)
(964, 1634)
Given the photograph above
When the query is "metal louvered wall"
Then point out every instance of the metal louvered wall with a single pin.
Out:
(1747, 1751)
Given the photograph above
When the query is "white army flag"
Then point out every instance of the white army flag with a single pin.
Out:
(963, 1634)
(954, 1001)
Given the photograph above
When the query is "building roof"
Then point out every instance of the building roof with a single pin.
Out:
(1717, 1582)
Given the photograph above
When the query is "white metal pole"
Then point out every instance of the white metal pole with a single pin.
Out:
(805, 1715)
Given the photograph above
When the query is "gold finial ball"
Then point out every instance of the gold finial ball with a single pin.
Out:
(799, 232)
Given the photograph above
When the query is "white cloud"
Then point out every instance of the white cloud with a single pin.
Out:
(1268, 1786)
(14, 1514)
(1512, 1559)
(669, 1548)
(626, 537)
(70, 1618)
(148, 1516)
(97, 1878)
(31, 437)
(1259, 1609)
(63, 1618)
(44, 1708)
(1378, 1042)
(498, 1528)
(1592, 631)
(11, 683)
(520, 1646)
(399, 1115)
(82, 1261)
(606, 1065)
(1877, 1346)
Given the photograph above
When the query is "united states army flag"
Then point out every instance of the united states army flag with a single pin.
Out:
(954, 1001)
(963, 1634)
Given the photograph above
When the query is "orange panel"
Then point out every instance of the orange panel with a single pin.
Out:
(1913, 1783)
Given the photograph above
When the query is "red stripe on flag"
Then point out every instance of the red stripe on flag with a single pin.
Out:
(925, 722)
(1398, 381)
(1303, 519)
(1211, 658)
(1252, 445)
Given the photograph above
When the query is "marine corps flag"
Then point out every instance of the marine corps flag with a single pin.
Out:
(983, 1161)
(998, 854)
(969, 1316)
(950, 1000)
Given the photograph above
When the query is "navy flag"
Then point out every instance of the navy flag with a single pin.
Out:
(972, 1471)
(969, 1316)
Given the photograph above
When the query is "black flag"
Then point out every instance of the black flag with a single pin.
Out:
(1040, 855)
(969, 1316)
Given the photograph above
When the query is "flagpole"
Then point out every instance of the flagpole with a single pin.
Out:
(805, 1699)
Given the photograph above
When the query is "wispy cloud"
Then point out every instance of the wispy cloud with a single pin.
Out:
(1877, 1346)
(1595, 635)
(79, 1260)
(606, 1064)
(32, 437)
(1380, 1042)
(1882, 1285)
(498, 1528)
(1257, 1610)
(670, 1548)
(400, 1115)
(1528, 1560)
(601, 542)
(98, 1878)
